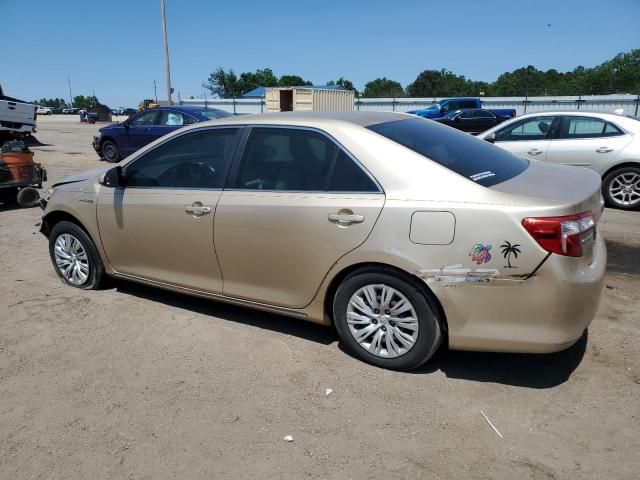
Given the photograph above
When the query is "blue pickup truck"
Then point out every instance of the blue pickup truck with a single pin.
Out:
(446, 105)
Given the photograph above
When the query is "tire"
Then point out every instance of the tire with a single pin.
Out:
(621, 188)
(28, 197)
(66, 232)
(425, 338)
(109, 151)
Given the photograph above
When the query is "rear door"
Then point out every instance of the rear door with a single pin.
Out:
(160, 226)
(587, 141)
(483, 120)
(529, 137)
(296, 203)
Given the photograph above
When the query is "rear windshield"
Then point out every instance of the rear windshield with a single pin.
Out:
(215, 113)
(460, 152)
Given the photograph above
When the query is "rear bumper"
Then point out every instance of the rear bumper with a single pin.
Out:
(545, 313)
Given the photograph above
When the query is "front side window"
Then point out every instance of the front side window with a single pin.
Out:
(468, 114)
(468, 104)
(213, 113)
(588, 127)
(197, 159)
(461, 153)
(536, 128)
(146, 118)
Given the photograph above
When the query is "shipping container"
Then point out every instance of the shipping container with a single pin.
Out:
(288, 99)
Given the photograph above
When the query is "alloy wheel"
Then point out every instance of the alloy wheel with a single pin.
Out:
(71, 259)
(382, 320)
(624, 189)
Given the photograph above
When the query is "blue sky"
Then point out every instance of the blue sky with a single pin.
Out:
(115, 47)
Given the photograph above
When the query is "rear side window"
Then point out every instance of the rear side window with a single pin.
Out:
(588, 127)
(347, 176)
(460, 152)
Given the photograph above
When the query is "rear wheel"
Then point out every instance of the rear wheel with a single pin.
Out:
(110, 151)
(621, 188)
(386, 320)
(75, 257)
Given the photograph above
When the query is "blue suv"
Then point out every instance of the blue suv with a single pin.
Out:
(119, 140)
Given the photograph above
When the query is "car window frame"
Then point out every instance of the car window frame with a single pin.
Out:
(553, 129)
(491, 115)
(232, 177)
(564, 118)
(240, 135)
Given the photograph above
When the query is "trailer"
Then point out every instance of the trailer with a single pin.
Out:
(308, 99)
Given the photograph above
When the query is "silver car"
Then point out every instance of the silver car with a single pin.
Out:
(606, 143)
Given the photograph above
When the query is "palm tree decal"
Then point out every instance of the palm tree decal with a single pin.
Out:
(508, 250)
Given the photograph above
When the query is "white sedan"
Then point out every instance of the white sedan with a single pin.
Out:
(44, 111)
(607, 143)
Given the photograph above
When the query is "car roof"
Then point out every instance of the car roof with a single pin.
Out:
(363, 119)
(580, 113)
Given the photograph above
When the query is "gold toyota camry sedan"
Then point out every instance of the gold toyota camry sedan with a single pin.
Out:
(397, 230)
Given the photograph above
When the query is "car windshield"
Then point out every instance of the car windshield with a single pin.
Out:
(475, 159)
(214, 113)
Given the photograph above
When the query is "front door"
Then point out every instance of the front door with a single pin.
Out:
(529, 137)
(587, 142)
(296, 205)
(139, 131)
(160, 225)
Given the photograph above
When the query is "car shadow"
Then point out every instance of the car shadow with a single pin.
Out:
(233, 313)
(32, 141)
(537, 371)
(521, 370)
(623, 258)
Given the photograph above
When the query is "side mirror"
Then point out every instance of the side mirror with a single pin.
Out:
(457, 119)
(113, 178)
(126, 123)
(491, 138)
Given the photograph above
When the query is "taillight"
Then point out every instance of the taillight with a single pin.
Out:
(562, 235)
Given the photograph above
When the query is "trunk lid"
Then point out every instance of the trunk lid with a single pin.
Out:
(576, 188)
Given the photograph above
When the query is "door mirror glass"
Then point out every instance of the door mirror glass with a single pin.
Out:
(491, 138)
(113, 178)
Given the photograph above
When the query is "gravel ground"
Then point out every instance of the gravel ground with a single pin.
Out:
(132, 382)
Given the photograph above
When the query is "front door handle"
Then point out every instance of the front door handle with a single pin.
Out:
(535, 151)
(196, 209)
(604, 150)
(345, 218)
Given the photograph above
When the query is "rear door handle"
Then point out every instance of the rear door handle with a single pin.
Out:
(196, 209)
(604, 150)
(345, 218)
(535, 151)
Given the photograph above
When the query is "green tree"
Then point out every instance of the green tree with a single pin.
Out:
(223, 84)
(440, 83)
(80, 101)
(344, 83)
(260, 78)
(293, 81)
(50, 102)
(383, 88)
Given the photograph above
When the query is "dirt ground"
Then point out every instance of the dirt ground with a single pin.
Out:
(133, 382)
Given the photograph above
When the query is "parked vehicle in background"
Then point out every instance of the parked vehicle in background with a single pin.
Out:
(70, 110)
(606, 143)
(119, 140)
(303, 214)
(17, 118)
(57, 111)
(474, 120)
(44, 111)
(446, 105)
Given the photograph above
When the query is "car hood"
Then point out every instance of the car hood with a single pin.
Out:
(111, 125)
(81, 177)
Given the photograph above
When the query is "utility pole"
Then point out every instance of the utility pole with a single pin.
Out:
(166, 50)
(155, 91)
(70, 96)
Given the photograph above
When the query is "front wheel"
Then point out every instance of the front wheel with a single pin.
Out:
(75, 257)
(621, 188)
(386, 320)
(110, 151)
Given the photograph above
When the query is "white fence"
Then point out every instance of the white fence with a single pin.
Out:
(603, 103)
